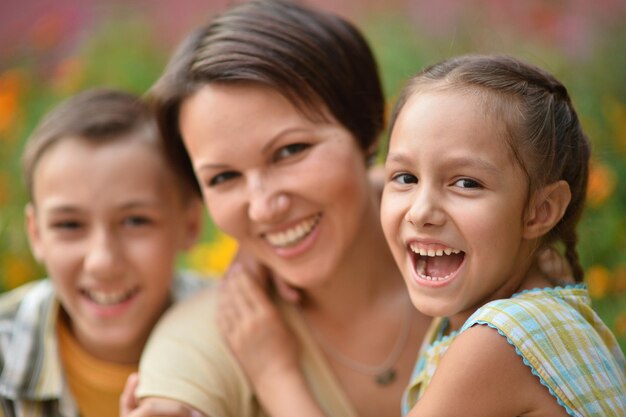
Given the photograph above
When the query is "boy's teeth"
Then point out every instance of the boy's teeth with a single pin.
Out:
(109, 298)
(294, 234)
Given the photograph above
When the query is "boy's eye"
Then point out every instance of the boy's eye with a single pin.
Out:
(66, 225)
(290, 150)
(135, 221)
(467, 183)
(405, 178)
(222, 177)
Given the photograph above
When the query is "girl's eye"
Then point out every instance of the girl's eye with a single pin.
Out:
(222, 177)
(289, 150)
(405, 178)
(467, 183)
(135, 221)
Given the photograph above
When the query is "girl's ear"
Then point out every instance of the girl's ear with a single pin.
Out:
(32, 230)
(546, 209)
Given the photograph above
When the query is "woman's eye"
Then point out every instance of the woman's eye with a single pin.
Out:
(405, 179)
(467, 183)
(290, 150)
(222, 177)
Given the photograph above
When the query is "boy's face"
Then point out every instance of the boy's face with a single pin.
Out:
(107, 222)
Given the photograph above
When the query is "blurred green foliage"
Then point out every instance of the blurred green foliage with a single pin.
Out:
(123, 53)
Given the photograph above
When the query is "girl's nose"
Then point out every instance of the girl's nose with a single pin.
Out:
(425, 210)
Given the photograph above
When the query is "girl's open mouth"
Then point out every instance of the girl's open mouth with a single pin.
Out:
(435, 263)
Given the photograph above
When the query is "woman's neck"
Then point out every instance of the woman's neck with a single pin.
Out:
(366, 276)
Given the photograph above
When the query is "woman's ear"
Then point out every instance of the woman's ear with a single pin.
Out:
(546, 209)
(32, 230)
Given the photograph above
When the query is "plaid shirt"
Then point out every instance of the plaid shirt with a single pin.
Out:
(559, 336)
(31, 380)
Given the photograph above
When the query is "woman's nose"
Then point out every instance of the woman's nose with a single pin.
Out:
(267, 203)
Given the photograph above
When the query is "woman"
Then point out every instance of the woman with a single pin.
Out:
(279, 108)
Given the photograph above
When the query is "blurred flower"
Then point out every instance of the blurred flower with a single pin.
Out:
(619, 278)
(17, 271)
(619, 325)
(615, 112)
(12, 84)
(68, 76)
(214, 257)
(598, 280)
(602, 181)
(4, 188)
(47, 31)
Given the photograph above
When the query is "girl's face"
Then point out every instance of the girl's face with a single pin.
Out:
(292, 191)
(453, 204)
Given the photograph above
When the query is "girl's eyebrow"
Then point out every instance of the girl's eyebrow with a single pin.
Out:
(458, 161)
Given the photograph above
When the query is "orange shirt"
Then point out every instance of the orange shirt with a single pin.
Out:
(95, 384)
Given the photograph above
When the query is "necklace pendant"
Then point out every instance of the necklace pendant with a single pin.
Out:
(386, 377)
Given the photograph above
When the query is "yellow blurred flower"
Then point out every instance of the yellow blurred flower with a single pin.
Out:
(68, 76)
(12, 84)
(214, 257)
(598, 281)
(619, 325)
(17, 271)
(615, 112)
(602, 181)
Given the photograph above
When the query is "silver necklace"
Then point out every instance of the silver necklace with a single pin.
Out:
(384, 373)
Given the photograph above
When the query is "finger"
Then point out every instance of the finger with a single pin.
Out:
(285, 290)
(128, 401)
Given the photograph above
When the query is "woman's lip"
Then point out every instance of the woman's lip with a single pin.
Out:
(301, 246)
(293, 233)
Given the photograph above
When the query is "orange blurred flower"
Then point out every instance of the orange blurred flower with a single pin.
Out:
(619, 278)
(12, 85)
(17, 271)
(602, 181)
(213, 258)
(68, 76)
(598, 281)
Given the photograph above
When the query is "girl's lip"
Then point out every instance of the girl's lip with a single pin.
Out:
(418, 249)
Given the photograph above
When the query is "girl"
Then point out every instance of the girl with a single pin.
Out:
(487, 165)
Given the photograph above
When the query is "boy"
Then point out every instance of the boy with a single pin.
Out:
(107, 216)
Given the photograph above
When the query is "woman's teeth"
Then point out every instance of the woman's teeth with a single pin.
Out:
(294, 234)
(109, 297)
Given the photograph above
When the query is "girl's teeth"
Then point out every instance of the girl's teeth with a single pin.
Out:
(432, 252)
(294, 234)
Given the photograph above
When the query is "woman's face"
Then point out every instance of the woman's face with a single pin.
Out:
(292, 191)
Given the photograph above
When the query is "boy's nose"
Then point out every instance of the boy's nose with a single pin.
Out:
(426, 210)
(102, 257)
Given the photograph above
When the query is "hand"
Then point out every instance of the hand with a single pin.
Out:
(262, 274)
(254, 329)
(151, 407)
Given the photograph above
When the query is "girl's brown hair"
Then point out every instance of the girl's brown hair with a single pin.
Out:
(543, 130)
